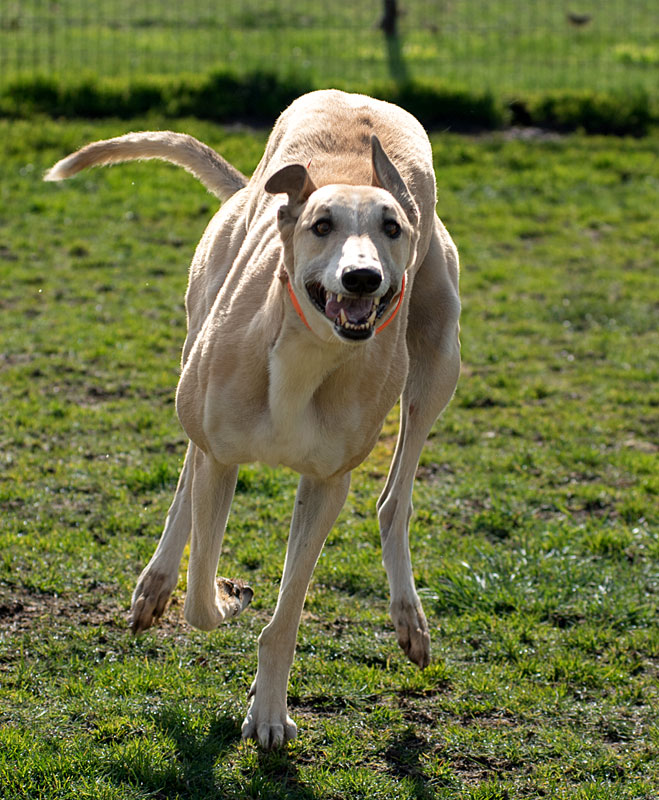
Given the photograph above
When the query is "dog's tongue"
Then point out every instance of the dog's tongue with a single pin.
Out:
(357, 309)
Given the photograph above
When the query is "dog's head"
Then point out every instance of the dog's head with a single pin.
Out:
(346, 248)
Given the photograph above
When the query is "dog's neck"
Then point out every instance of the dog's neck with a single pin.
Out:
(299, 363)
(294, 301)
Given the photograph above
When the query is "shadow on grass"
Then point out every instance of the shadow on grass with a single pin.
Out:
(404, 758)
(195, 772)
(189, 772)
(277, 778)
(396, 63)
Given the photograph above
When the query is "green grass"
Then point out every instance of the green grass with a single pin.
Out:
(506, 45)
(535, 535)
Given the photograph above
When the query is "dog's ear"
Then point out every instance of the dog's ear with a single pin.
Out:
(386, 176)
(295, 181)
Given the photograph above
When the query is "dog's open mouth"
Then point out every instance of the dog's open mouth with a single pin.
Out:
(354, 317)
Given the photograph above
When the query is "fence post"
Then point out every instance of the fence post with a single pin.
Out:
(389, 26)
(389, 21)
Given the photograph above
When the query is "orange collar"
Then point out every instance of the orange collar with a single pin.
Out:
(300, 313)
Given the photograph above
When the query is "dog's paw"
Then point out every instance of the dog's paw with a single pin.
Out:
(412, 631)
(268, 723)
(231, 598)
(150, 598)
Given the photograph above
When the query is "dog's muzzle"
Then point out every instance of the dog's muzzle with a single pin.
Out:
(354, 317)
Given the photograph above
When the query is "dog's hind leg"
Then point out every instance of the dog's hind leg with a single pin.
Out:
(159, 577)
(317, 506)
(434, 351)
(208, 601)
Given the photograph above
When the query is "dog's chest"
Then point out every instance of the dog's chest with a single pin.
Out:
(309, 427)
(296, 435)
(307, 411)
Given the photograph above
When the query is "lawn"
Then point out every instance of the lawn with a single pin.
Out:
(535, 539)
(504, 45)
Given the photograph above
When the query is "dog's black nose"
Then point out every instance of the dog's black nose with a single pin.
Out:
(361, 281)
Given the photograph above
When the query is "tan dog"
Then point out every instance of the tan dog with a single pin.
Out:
(308, 319)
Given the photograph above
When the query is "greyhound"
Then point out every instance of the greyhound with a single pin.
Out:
(323, 290)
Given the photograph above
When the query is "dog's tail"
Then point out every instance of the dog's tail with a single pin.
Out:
(217, 175)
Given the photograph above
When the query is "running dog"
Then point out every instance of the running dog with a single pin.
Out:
(323, 290)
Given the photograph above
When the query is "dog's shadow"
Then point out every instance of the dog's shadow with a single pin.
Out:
(278, 777)
(404, 758)
(193, 771)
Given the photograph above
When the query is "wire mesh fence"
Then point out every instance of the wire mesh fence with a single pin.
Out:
(503, 44)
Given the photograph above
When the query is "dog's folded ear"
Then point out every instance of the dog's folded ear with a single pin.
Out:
(295, 181)
(386, 176)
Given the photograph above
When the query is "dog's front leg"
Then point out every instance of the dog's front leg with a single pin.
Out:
(208, 603)
(394, 513)
(159, 577)
(434, 351)
(317, 506)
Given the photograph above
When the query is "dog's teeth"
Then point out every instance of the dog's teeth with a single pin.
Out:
(342, 317)
(339, 298)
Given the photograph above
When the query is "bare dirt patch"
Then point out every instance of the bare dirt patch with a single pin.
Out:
(22, 611)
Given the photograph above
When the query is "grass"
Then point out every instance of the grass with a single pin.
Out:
(535, 534)
(507, 45)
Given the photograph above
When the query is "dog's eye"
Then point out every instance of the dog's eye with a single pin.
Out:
(322, 227)
(392, 228)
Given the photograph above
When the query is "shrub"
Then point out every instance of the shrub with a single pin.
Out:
(592, 112)
(261, 96)
(26, 96)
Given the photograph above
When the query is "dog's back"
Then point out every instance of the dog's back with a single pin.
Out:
(330, 131)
